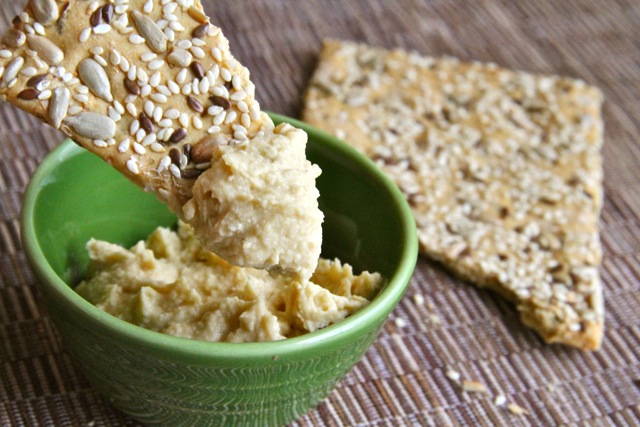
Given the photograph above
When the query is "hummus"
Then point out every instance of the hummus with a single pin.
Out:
(257, 205)
(171, 284)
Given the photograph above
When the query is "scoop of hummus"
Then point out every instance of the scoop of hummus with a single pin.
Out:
(257, 206)
(171, 284)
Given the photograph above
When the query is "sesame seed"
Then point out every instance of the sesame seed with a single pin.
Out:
(74, 109)
(165, 123)
(243, 137)
(171, 35)
(158, 97)
(173, 87)
(136, 39)
(175, 171)
(238, 96)
(4, 53)
(156, 64)
(172, 113)
(131, 109)
(197, 52)
(115, 57)
(197, 123)
(148, 6)
(157, 147)
(452, 375)
(145, 91)
(214, 110)
(231, 116)
(182, 76)
(102, 29)
(139, 148)
(164, 163)
(216, 53)
(197, 40)
(148, 56)
(245, 120)
(140, 134)
(134, 126)
(157, 114)
(164, 90)
(184, 119)
(99, 143)
(184, 44)
(133, 166)
(213, 129)
(154, 80)
(186, 89)
(124, 145)
(96, 50)
(80, 97)
(226, 74)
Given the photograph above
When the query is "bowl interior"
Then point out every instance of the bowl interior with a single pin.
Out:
(74, 196)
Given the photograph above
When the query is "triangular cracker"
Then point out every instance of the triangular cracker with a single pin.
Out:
(502, 170)
(151, 87)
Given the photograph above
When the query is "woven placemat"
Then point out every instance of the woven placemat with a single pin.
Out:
(405, 377)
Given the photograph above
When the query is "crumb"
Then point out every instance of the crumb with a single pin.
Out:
(473, 386)
(400, 322)
(517, 410)
(500, 400)
(452, 375)
(418, 299)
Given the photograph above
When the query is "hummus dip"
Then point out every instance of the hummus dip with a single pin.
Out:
(257, 205)
(171, 284)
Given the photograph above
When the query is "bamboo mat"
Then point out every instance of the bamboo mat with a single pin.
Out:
(402, 379)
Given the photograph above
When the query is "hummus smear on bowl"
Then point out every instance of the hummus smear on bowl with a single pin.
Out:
(170, 284)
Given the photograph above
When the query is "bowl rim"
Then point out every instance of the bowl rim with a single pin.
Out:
(163, 344)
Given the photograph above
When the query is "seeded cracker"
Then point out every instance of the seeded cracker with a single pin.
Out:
(502, 170)
(152, 88)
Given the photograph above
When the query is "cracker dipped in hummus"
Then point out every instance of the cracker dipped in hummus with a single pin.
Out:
(152, 87)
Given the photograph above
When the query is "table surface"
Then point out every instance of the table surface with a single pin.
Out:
(402, 379)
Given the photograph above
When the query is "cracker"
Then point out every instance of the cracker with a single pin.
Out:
(152, 87)
(502, 170)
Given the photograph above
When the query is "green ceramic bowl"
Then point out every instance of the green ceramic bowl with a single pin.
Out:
(164, 380)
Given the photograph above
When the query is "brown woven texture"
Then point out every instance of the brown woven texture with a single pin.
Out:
(402, 379)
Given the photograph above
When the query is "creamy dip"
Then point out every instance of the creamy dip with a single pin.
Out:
(170, 284)
(257, 205)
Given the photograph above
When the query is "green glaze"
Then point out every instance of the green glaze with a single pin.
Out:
(164, 380)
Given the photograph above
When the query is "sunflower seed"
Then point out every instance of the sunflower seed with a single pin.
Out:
(198, 15)
(46, 49)
(180, 58)
(14, 38)
(58, 106)
(12, 70)
(204, 149)
(92, 125)
(200, 31)
(149, 30)
(95, 77)
(45, 11)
